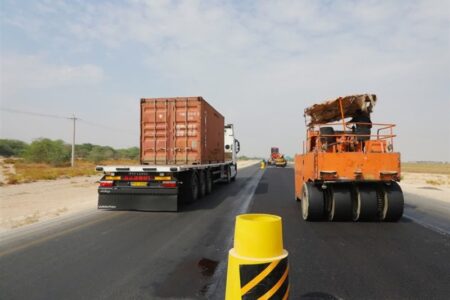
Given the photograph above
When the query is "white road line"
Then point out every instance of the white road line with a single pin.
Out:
(218, 280)
(427, 225)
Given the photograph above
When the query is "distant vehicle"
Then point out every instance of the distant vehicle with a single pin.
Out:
(274, 153)
(276, 158)
(185, 148)
(280, 161)
(346, 172)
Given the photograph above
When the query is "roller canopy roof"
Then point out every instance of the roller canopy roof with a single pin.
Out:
(329, 111)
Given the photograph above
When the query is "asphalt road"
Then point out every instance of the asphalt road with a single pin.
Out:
(428, 212)
(141, 255)
(129, 254)
(365, 260)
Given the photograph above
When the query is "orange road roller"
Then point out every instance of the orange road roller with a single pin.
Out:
(348, 169)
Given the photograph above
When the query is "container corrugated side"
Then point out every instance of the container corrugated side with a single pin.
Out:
(181, 131)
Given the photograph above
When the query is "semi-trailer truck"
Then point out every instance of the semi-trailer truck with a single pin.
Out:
(185, 147)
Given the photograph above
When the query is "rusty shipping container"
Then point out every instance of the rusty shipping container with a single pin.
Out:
(181, 131)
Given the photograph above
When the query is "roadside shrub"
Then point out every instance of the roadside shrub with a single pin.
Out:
(55, 153)
(128, 153)
(12, 147)
(83, 150)
(435, 182)
(101, 153)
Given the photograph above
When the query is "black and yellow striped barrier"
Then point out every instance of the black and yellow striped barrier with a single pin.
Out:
(257, 265)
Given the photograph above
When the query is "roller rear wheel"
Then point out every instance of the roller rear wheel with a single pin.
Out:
(339, 202)
(393, 202)
(312, 202)
(365, 203)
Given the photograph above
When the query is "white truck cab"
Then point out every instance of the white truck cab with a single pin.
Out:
(232, 147)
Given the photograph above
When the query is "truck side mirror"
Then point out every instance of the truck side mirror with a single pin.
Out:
(237, 146)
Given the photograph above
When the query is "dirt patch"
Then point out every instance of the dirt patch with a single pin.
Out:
(426, 179)
(29, 203)
(6, 169)
(435, 186)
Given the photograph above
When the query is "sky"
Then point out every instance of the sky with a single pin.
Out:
(260, 63)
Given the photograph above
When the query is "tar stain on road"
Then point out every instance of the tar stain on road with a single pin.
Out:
(189, 279)
(207, 266)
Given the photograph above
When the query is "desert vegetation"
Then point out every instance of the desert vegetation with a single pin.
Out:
(426, 167)
(46, 159)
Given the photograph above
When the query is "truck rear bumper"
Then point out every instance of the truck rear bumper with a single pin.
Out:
(138, 199)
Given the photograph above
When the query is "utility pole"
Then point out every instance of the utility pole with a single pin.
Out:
(73, 139)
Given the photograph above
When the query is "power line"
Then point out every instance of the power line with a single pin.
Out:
(104, 126)
(62, 117)
(32, 113)
(73, 118)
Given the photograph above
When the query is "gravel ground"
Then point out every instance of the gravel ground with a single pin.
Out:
(434, 186)
(30, 203)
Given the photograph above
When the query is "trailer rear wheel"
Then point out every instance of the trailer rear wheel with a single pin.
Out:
(190, 189)
(202, 183)
(393, 202)
(365, 203)
(209, 182)
(339, 202)
(235, 174)
(312, 202)
(228, 178)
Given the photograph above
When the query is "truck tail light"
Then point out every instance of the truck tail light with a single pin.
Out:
(108, 183)
(358, 174)
(388, 175)
(328, 175)
(169, 184)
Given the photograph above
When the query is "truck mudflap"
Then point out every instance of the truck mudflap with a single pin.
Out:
(138, 199)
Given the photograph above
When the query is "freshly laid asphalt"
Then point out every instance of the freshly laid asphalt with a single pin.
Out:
(160, 255)
(351, 260)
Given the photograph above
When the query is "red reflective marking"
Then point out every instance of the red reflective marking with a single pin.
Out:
(136, 178)
(169, 184)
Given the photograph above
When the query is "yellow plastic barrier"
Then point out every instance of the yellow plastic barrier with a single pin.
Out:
(263, 165)
(257, 265)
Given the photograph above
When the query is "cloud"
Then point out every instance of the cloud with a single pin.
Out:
(22, 72)
(260, 63)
